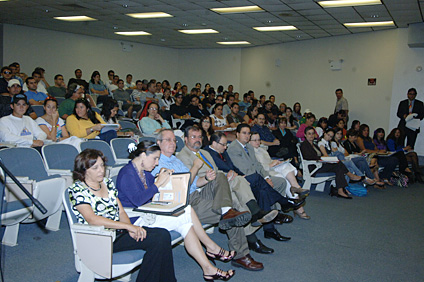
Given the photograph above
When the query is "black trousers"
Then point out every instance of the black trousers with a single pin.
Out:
(339, 169)
(411, 137)
(158, 264)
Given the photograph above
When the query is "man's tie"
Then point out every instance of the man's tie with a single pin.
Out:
(203, 160)
(410, 107)
(222, 158)
(245, 149)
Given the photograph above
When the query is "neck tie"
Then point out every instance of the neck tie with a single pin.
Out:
(410, 106)
(220, 155)
(245, 149)
(203, 160)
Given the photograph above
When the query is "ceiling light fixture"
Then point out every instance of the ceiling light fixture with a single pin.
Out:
(234, 10)
(132, 33)
(198, 31)
(233, 42)
(150, 15)
(75, 19)
(275, 28)
(347, 3)
(369, 24)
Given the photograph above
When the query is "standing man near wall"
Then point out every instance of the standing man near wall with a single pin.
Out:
(410, 109)
(341, 103)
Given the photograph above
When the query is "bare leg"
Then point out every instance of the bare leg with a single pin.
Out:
(341, 192)
(353, 176)
(292, 179)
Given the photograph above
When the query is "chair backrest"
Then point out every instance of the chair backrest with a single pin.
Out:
(180, 143)
(38, 109)
(59, 156)
(120, 147)
(24, 162)
(127, 125)
(101, 146)
(60, 100)
(97, 110)
(147, 138)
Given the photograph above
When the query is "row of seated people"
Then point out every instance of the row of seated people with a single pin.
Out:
(216, 192)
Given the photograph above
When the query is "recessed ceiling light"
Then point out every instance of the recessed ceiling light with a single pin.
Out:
(233, 10)
(233, 42)
(150, 15)
(275, 28)
(197, 31)
(132, 33)
(344, 3)
(75, 18)
(369, 24)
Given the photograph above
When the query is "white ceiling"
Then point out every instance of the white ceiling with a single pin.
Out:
(311, 19)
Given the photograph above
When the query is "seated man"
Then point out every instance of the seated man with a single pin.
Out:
(36, 75)
(129, 84)
(242, 155)
(267, 138)
(78, 80)
(178, 111)
(14, 68)
(210, 197)
(34, 97)
(13, 88)
(196, 109)
(245, 104)
(136, 94)
(6, 74)
(19, 129)
(59, 88)
(234, 118)
(122, 95)
(114, 85)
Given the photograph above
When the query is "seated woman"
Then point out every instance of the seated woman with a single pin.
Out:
(109, 111)
(321, 126)
(366, 145)
(94, 201)
(96, 86)
(137, 186)
(292, 124)
(297, 111)
(153, 122)
(355, 125)
(85, 123)
(250, 116)
(341, 124)
(207, 131)
(54, 126)
(220, 123)
(282, 110)
(19, 129)
(287, 140)
(310, 151)
(286, 171)
(309, 122)
(380, 143)
(359, 161)
(395, 144)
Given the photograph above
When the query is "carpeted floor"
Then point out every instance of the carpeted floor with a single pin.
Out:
(372, 238)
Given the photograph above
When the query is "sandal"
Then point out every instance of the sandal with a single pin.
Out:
(301, 215)
(219, 275)
(221, 255)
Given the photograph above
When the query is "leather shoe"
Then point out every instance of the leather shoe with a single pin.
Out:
(275, 235)
(260, 248)
(293, 206)
(303, 193)
(233, 218)
(263, 217)
(248, 263)
(283, 218)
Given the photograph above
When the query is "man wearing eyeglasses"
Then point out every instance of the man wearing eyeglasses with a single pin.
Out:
(6, 74)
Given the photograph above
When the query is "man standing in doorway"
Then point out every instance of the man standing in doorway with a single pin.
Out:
(409, 109)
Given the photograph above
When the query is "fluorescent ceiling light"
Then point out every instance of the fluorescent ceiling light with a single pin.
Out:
(197, 31)
(345, 3)
(233, 10)
(369, 24)
(233, 42)
(275, 28)
(150, 15)
(75, 19)
(132, 33)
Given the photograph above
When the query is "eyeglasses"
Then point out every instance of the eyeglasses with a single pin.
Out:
(225, 145)
(206, 121)
(153, 109)
(169, 140)
(255, 140)
(7, 72)
(245, 133)
(196, 137)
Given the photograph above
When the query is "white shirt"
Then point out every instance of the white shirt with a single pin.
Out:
(20, 131)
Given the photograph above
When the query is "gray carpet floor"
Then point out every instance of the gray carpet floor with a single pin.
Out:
(374, 238)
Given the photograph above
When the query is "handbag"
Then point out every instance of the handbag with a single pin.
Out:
(399, 179)
(357, 189)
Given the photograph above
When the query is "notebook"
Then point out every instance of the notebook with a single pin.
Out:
(172, 198)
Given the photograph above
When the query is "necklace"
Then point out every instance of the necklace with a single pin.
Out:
(98, 189)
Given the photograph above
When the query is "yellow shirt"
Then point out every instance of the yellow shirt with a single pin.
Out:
(78, 127)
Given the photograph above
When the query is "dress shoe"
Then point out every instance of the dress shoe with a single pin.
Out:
(260, 248)
(303, 193)
(248, 263)
(293, 206)
(283, 218)
(263, 217)
(233, 218)
(275, 235)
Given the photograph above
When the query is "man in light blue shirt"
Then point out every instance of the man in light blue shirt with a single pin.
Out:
(34, 97)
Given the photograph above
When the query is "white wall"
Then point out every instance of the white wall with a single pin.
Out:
(60, 52)
(305, 75)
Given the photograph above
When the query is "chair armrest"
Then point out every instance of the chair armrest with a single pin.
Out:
(92, 229)
(121, 161)
(59, 171)
(22, 179)
(316, 163)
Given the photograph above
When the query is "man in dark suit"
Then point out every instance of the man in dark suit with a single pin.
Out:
(406, 108)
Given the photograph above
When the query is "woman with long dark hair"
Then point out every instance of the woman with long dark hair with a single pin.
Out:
(297, 111)
(153, 122)
(207, 130)
(96, 86)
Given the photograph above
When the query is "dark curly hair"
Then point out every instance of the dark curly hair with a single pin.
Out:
(84, 161)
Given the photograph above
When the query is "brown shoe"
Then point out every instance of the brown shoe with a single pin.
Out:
(303, 193)
(248, 263)
(234, 218)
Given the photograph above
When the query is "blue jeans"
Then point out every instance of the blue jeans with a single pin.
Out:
(362, 164)
(348, 163)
